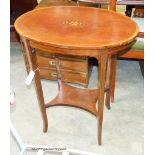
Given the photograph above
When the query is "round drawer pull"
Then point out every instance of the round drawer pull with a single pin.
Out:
(53, 75)
(52, 63)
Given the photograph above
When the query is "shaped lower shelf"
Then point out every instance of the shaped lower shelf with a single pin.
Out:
(76, 97)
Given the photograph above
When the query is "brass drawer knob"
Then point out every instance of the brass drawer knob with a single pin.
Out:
(52, 63)
(54, 75)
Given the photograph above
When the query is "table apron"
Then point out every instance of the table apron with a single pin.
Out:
(79, 52)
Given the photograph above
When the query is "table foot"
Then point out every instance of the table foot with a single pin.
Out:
(99, 131)
(76, 97)
(45, 128)
(112, 99)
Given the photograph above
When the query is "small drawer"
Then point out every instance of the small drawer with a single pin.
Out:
(67, 76)
(80, 65)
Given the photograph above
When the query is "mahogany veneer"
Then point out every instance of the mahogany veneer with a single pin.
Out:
(85, 98)
(62, 30)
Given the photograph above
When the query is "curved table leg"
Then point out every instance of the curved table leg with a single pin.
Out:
(38, 87)
(102, 78)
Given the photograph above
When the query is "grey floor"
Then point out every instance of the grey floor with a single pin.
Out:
(74, 128)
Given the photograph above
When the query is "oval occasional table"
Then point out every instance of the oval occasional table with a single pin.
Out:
(78, 31)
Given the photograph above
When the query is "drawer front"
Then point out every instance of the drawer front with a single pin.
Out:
(67, 76)
(80, 65)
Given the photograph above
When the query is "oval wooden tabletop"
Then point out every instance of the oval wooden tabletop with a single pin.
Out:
(77, 27)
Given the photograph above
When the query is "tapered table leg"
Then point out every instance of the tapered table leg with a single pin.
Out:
(39, 92)
(31, 56)
(107, 85)
(102, 78)
(110, 79)
(113, 77)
